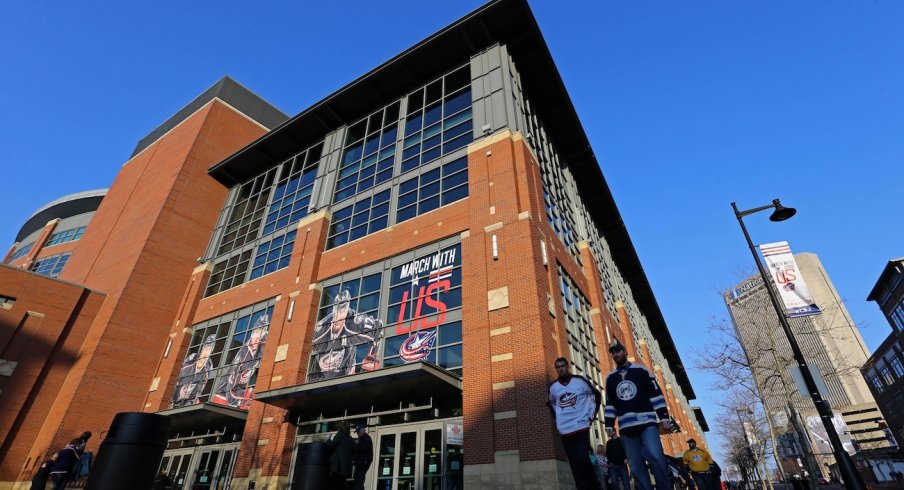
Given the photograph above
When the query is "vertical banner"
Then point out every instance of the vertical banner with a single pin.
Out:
(821, 438)
(236, 387)
(788, 280)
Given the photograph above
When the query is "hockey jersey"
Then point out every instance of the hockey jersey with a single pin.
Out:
(634, 398)
(574, 404)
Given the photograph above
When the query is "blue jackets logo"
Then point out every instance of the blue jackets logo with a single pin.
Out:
(568, 399)
(418, 345)
(626, 390)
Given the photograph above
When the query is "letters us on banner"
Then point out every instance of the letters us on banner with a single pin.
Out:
(788, 280)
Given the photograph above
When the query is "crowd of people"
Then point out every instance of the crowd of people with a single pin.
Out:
(70, 463)
(634, 452)
(349, 458)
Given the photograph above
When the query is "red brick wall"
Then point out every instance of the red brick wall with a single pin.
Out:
(43, 332)
(140, 250)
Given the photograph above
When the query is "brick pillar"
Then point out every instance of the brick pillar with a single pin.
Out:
(670, 442)
(10, 252)
(29, 258)
(603, 324)
(510, 333)
(160, 392)
(268, 439)
(626, 336)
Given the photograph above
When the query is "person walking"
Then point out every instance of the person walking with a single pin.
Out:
(574, 403)
(364, 455)
(601, 465)
(618, 464)
(39, 481)
(700, 465)
(65, 462)
(635, 400)
(341, 448)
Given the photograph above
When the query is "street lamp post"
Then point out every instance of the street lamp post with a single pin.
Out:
(851, 477)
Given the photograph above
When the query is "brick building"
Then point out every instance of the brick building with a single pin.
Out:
(884, 370)
(411, 253)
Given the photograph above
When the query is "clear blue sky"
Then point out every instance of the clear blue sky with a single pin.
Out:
(689, 106)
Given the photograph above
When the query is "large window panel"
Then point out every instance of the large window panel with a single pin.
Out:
(51, 265)
(64, 236)
(439, 119)
(369, 155)
(365, 216)
(432, 189)
(21, 252)
(256, 235)
(292, 195)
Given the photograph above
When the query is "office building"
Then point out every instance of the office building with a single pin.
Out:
(829, 340)
(884, 370)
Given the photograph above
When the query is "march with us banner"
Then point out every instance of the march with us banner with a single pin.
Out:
(418, 317)
(788, 280)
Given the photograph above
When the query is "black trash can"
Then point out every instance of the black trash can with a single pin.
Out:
(130, 454)
(312, 467)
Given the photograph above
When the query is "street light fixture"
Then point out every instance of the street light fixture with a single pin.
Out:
(846, 466)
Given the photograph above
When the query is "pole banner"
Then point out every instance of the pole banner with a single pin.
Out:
(788, 280)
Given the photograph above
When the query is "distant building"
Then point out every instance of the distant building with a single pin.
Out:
(830, 340)
(884, 371)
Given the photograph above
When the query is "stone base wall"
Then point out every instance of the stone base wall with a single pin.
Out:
(508, 472)
(261, 482)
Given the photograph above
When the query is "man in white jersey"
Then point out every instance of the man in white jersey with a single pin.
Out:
(574, 403)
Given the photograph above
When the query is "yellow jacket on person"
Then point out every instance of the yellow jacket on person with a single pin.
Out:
(698, 460)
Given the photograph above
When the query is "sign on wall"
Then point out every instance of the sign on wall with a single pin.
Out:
(405, 328)
(202, 377)
(235, 387)
(788, 280)
(821, 438)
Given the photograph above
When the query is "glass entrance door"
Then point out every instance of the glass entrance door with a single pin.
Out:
(175, 465)
(214, 469)
(415, 457)
(202, 468)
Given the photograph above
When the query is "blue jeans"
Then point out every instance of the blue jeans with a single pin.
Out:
(645, 446)
(619, 472)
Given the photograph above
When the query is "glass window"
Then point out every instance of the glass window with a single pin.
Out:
(363, 217)
(439, 119)
(253, 234)
(432, 189)
(51, 265)
(897, 316)
(246, 214)
(581, 339)
(64, 236)
(292, 193)
(273, 255)
(896, 366)
(369, 155)
(21, 252)
(558, 186)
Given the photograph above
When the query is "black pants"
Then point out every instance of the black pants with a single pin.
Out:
(704, 481)
(577, 447)
(360, 474)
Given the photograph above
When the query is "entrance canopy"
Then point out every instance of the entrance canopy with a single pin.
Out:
(408, 383)
(204, 415)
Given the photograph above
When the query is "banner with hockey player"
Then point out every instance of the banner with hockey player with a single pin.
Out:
(788, 280)
(420, 293)
(235, 387)
(338, 338)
